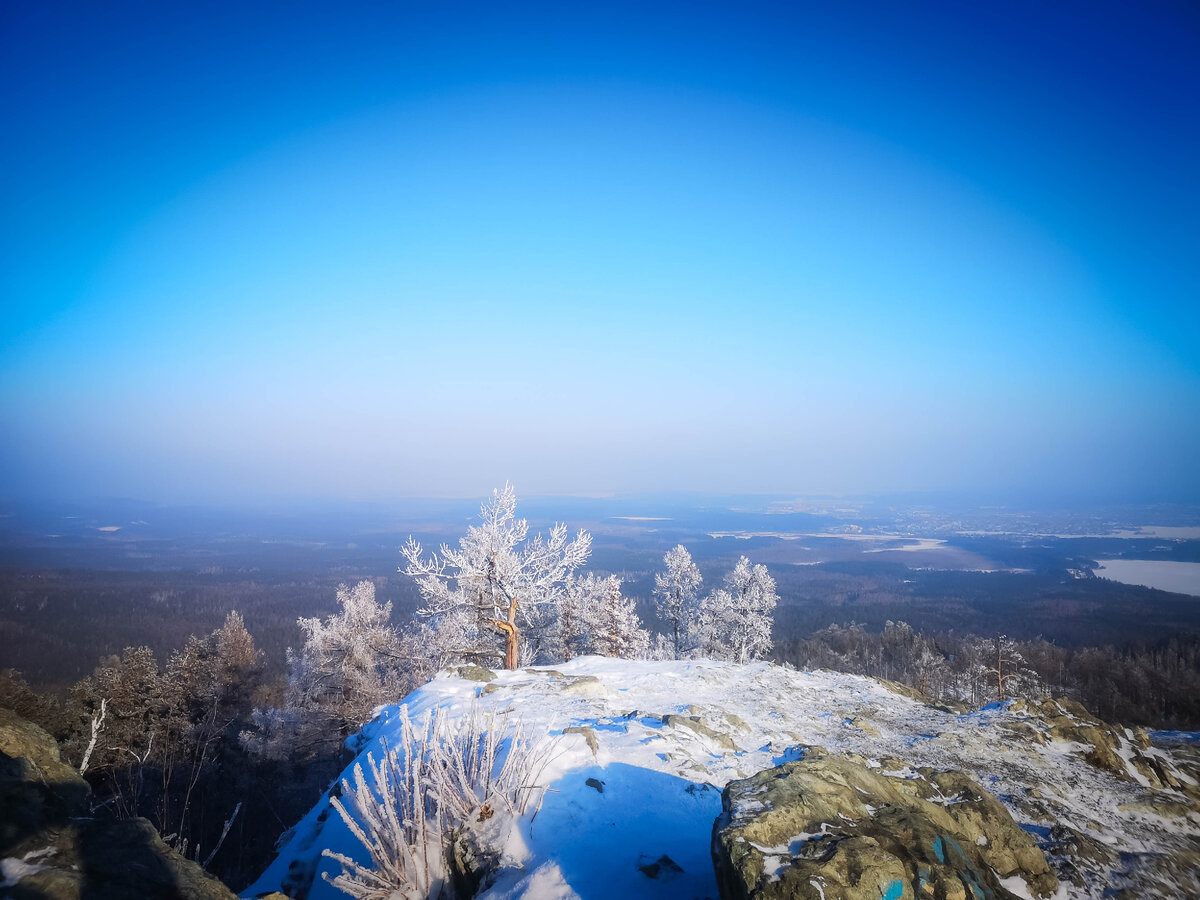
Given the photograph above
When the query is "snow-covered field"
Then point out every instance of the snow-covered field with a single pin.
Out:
(651, 787)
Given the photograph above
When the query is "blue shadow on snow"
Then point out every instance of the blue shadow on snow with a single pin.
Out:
(600, 838)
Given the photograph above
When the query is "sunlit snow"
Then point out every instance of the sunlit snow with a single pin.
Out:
(652, 788)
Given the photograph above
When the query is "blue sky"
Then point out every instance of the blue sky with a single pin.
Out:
(374, 250)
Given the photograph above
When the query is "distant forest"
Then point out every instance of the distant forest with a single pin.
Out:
(55, 624)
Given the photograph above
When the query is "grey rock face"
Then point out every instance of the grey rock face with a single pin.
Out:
(829, 827)
(589, 735)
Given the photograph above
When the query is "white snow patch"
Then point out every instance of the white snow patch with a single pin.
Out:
(1015, 884)
(14, 869)
(546, 882)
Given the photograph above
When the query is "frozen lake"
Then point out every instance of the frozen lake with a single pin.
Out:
(1180, 577)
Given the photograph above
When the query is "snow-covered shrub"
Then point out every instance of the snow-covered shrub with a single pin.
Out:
(444, 776)
(350, 662)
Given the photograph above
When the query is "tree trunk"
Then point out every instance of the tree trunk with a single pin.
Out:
(512, 635)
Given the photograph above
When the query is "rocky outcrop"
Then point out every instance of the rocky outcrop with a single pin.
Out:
(913, 693)
(828, 826)
(1124, 752)
(696, 725)
(473, 673)
(51, 849)
(37, 788)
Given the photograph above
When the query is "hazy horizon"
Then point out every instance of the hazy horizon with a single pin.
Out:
(274, 254)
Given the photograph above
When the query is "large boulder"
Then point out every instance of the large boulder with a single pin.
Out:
(829, 827)
(51, 848)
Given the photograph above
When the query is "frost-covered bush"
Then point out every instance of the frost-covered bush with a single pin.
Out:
(445, 776)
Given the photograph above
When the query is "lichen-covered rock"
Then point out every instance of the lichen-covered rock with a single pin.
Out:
(983, 819)
(863, 725)
(830, 827)
(1075, 854)
(104, 860)
(913, 693)
(589, 735)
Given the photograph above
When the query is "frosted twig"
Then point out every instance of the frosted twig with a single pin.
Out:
(443, 775)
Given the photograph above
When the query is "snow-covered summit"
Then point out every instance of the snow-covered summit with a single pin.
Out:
(639, 752)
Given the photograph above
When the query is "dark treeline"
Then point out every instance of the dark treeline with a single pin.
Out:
(55, 623)
(1151, 684)
(1066, 610)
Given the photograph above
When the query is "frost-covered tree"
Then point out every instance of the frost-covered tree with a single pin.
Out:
(350, 663)
(736, 621)
(572, 632)
(1002, 665)
(497, 594)
(676, 592)
(594, 617)
(613, 624)
(929, 670)
(155, 739)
